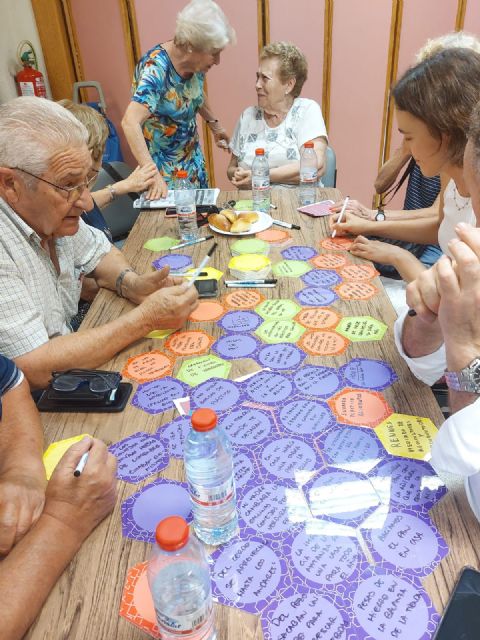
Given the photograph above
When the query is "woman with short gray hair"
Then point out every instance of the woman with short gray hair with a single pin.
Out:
(160, 121)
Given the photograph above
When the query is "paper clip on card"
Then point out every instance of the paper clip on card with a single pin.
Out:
(317, 209)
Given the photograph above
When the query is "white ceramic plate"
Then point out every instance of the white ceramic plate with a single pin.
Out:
(264, 222)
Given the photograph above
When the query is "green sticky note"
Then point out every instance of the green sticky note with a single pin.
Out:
(291, 268)
(160, 244)
(361, 328)
(203, 368)
(274, 331)
(160, 333)
(244, 205)
(277, 309)
(250, 245)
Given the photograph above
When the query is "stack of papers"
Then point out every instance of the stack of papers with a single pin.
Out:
(202, 197)
(250, 267)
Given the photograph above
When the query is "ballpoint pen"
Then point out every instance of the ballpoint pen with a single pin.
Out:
(190, 242)
(334, 233)
(259, 281)
(202, 264)
(287, 225)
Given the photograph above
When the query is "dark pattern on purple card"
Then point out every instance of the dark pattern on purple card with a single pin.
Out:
(408, 483)
(316, 297)
(298, 253)
(306, 417)
(246, 573)
(368, 374)
(157, 396)
(174, 434)
(321, 278)
(245, 469)
(387, 605)
(216, 393)
(235, 346)
(142, 511)
(352, 448)
(341, 496)
(176, 262)
(281, 356)
(320, 382)
(240, 321)
(139, 456)
(406, 542)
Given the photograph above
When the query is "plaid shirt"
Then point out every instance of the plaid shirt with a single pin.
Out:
(37, 303)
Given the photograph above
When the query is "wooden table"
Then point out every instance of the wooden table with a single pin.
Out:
(84, 604)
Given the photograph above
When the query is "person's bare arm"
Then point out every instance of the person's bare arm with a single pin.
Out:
(22, 474)
(390, 170)
(232, 166)
(135, 115)
(73, 508)
(138, 181)
(221, 137)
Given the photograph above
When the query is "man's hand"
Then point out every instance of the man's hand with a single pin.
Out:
(22, 496)
(137, 287)
(355, 207)
(80, 504)
(158, 188)
(169, 307)
(352, 225)
(242, 178)
(140, 179)
(423, 294)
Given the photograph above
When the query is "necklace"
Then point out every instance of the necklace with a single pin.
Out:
(455, 201)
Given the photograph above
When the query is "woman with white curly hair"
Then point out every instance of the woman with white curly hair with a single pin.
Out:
(168, 92)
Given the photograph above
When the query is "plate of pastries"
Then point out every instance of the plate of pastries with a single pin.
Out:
(239, 223)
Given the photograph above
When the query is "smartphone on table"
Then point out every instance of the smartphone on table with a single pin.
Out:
(206, 288)
(461, 618)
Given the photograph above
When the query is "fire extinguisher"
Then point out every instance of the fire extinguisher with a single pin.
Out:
(29, 80)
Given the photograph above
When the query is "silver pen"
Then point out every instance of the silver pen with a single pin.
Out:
(340, 217)
(81, 465)
(250, 286)
(190, 242)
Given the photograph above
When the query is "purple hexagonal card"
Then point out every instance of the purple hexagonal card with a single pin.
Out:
(158, 396)
(368, 374)
(139, 456)
(316, 297)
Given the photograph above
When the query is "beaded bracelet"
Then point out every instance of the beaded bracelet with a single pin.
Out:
(119, 282)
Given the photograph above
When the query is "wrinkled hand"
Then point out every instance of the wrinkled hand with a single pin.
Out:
(141, 286)
(459, 290)
(222, 139)
(169, 307)
(22, 496)
(423, 294)
(158, 188)
(352, 225)
(242, 178)
(355, 207)
(82, 503)
(140, 179)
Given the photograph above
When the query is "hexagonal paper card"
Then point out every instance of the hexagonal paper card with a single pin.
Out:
(407, 436)
(360, 407)
(361, 328)
(137, 603)
(202, 368)
(273, 331)
(148, 366)
(291, 268)
(277, 309)
(189, 343)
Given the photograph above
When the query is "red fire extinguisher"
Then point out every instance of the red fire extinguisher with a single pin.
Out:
(29, 80)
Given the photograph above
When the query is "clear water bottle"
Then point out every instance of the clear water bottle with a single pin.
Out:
(308, 174)
(186, 208)
(261, 182)
(209, 471)
(179, 580)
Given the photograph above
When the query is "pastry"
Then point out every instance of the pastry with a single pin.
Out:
(250, 216)
(240, 226)
(230, 214)
(219, 221)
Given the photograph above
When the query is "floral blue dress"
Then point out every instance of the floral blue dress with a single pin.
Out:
(171, 130)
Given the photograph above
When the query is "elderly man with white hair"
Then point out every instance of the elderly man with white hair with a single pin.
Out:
(168, 92)
(46, 249)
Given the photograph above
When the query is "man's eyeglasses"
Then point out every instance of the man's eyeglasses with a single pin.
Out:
(97, 381)
(72, 192)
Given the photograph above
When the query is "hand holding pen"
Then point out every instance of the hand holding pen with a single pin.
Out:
(340, 217)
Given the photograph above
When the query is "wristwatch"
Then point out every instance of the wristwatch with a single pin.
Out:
(380, 216)
(468, 379)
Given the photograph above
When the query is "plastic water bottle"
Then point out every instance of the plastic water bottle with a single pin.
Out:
(209, 471)
(186, 208)
(261, 182)
(179, 580)
(308, 174)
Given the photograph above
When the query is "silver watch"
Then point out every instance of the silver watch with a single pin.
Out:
(468, 379)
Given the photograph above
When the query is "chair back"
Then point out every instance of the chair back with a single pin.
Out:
(120, 214)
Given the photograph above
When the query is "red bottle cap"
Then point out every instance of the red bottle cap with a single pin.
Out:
(203, 419)
(259, 152)
(172, 533)
(181, 173)
(308, 145)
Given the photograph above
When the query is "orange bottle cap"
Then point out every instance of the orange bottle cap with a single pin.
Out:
(181, 173)
(259, 152)
(203, 419)
(308, 145)
(172, 533)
